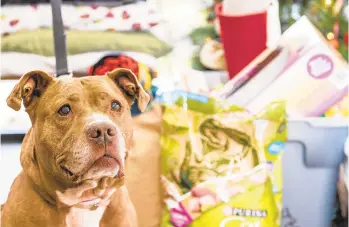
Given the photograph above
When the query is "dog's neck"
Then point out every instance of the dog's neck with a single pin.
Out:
(56, 192)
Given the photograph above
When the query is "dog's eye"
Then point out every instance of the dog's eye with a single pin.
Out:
(115, 106)
(64, 110)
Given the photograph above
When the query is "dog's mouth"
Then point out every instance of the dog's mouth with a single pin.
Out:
(68, 173)
(108, 156)
(105, 162)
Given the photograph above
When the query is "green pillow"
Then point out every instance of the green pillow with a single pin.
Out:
(41, 42)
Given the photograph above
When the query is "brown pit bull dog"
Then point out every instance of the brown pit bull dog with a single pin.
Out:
(74, 155)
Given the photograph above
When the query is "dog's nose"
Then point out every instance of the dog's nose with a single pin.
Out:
(101, 132)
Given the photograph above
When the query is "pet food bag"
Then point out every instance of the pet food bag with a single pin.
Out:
(220, 166)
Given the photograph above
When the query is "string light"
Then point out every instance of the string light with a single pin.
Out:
(330, 36)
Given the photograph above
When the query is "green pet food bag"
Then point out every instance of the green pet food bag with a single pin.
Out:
(220, 165)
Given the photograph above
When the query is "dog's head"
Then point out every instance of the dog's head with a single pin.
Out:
(82, 126)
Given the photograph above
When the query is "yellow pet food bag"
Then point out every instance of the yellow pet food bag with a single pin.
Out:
(220, 165)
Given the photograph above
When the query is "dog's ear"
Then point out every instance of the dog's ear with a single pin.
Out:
(127, 81)
(30, 87)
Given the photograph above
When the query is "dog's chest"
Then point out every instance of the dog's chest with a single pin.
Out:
(84, 218)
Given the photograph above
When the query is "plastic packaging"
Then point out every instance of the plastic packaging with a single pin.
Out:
(221, 166)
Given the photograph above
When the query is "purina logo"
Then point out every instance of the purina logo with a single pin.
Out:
(320, 66)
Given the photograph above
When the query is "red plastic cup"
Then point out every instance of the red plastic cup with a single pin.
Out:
(243, 38)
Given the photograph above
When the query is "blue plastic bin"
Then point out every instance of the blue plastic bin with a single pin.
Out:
(314, 150)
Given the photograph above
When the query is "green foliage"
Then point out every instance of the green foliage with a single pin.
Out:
(195, 61)
(199, 35)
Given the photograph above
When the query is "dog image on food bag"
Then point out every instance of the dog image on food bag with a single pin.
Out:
(73, 157)
(230, 149)
(216, 150)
